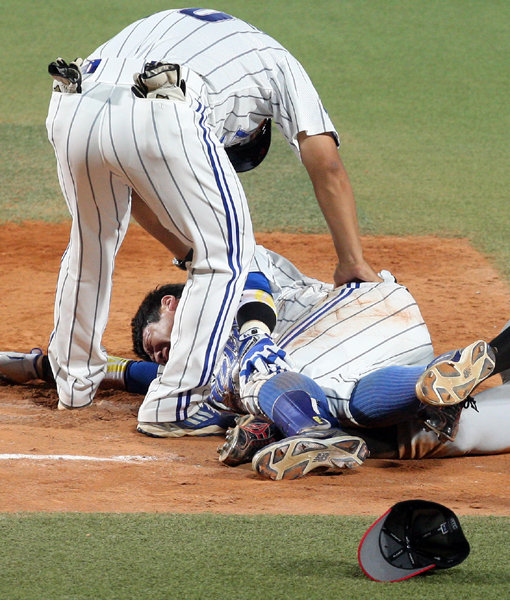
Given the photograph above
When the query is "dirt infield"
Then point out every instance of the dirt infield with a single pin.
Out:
(93, 459)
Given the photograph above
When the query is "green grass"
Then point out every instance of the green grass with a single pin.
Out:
(211, 557)
(418, 90)
(30, 188)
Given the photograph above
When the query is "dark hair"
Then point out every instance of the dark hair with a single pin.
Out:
(149, 312)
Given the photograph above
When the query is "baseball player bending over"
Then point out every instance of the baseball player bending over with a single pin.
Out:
(367, 346)
(157, 120)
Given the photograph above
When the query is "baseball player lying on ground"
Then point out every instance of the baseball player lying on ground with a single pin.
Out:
(353, 357)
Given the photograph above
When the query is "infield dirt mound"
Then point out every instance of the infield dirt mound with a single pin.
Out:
(461, 297)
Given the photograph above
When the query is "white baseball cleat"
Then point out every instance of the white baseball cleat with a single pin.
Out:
(325, 452)
(452, 376)
(17, 367)
(206, 421)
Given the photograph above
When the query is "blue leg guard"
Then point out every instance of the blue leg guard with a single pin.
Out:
(386, 397)
(294, 403)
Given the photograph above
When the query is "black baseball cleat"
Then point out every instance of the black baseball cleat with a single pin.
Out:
(250, 434)
(444, 420)
(325, 452)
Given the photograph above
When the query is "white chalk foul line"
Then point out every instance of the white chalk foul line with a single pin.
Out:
(56, 457)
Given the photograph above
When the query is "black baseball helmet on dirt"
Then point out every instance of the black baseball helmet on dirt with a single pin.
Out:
(249, 154)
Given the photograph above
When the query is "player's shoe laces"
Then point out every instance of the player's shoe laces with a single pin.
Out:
(206, 421)
(17, 367)
(250, 434)
(330, 451)
(444, 420)
(451, 377)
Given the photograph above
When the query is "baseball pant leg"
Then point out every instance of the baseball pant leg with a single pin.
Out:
(484, 432)
(99, 204)
(173, 160)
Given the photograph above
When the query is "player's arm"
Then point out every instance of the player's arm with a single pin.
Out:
(336, 199)
(254, 350)
(256, 307)
(133, 376)
(148, 220)
(256, 318)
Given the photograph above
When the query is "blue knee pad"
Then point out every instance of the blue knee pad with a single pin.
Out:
(294, 402)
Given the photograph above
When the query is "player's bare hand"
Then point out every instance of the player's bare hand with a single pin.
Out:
(345, 273)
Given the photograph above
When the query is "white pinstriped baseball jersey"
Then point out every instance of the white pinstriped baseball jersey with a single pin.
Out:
(107, 142)
(337, 336)
(247, 75)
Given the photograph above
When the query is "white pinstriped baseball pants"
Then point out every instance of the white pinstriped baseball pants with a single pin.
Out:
(106, 142)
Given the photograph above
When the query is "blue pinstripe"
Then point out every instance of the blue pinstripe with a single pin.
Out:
(234, 260)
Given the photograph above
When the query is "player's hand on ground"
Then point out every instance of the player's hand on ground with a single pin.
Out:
(345, 273)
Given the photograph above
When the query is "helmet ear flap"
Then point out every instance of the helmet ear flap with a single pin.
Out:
(245, 156)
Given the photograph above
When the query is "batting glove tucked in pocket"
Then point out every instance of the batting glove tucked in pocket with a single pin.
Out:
(159, 80)
(67, 76)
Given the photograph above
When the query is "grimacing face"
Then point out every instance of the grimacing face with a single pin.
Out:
(156, 335)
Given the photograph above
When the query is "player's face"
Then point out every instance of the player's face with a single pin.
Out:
(156, 335)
